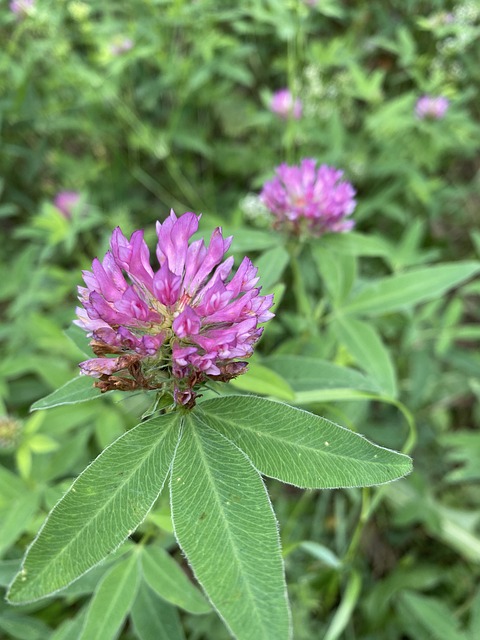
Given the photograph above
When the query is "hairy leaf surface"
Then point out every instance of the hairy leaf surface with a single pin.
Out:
(225, 524)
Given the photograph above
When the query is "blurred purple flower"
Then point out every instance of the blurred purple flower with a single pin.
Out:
(306, 199)
(121, 46)
(431, 107)
(284, 105)
(21, 7)
(175, 327)
(66, 201)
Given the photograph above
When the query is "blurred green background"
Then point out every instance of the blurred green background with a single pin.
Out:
(145, 105)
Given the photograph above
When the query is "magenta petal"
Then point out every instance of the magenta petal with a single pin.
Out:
(120, 248)
(216, 250)
(212, 299)
(181, 355)
(99, 308)
(151, 344)
(187, 323)
(140, 259)
(195, 256)
(105, 284)
(133, 256)
(245, 278)
(166, 285)
(173, 237)
(132, 306)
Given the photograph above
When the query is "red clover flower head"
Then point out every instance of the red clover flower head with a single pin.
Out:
(66, 201)
(307, 199)
(21, 8)
(175, 327)
(285, 106)
(431, 107)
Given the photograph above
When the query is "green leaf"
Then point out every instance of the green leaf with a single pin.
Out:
(161, 520)
(261, 379)
(24, 461)
(41, 443)
(474, 626)
(464, 454)
(252, 239)
(322, 553)
(18, 505)
(16, 517)
(153, 618)
(225, 524)
(271, 266)
(345, 610)
(80, 389)
(433, 615)
(167, 579)
(337, 270)
(112, 600)
(70, 628)
(17, 625)
(301, 448)
(357, 244)
(401, 292)
(365, 345)
(8, 568)
(380, 598)
(315, 380)
(86, 584)
(80, 339)
(454, 527)
(104, 505)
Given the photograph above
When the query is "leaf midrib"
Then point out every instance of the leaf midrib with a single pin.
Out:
(222, 510)
(295, 444)
(364, 296)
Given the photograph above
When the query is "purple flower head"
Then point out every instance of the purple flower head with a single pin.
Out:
(121, 46)
(21, 8)
(175, 327)
(431, 107)
(307, 199)
(66, 201)
(284, 105)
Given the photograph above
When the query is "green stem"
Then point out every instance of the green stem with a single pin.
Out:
(294, 517)
(304, 308)
(370, 505)
(365, 513)
(344, 612)
(294, 44)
